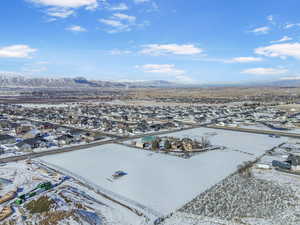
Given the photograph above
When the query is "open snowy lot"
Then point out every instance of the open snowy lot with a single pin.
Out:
(160, 182)
(37, 106)
(263, 127)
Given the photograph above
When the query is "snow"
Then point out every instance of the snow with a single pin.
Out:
(59, 105)
(255, 144)
(180, 218)
(28, 176)
(263, 127)
(160, 182)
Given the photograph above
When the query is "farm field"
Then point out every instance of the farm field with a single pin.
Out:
(160, 182)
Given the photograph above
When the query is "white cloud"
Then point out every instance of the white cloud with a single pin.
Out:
(156, 49)
(89, 4)
(161, 68)
(283, 39)
(60, 12)
(184, 79)
(120, 22)
(117, 25)
(265, 71)
(16, 51)
(113, 23)
(33, 69)
(270, 18)
(291, 25)
(119, 52)
(140, 1)
(244, 60)
(64, 8)
(123, 16)
(166, 69)
(280, 50)
(152, 5)
(119, 7)
(261, 30)
(76, 28)
(290, 78)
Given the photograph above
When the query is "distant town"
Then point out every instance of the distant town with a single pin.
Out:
(149, 112)
(96, 159)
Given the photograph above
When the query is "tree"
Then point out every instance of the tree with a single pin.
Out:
(167, 145)
(155, 145)
(205, 142)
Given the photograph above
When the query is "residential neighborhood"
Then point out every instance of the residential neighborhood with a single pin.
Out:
(26, 128)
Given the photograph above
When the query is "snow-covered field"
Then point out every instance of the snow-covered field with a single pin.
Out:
(255, 144)
(159, 182)
(37, 106)
(162, 183)
(70, 197)
(263, 127)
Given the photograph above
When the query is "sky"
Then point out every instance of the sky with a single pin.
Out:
(185, 41)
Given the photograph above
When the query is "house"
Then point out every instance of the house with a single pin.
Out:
(294, 160)
(31, 134)
(2, 150)
(49, 126)
(5, 149)
(7, 139)
(65, 139)
(31, 143)
(77, 134)
(20, 130)
(139, 144)
(176, 144)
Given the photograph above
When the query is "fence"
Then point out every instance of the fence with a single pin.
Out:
(121, 200)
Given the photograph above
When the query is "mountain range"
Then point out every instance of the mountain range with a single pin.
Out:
(13, 80)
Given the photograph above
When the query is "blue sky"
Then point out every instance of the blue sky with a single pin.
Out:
(195, 41)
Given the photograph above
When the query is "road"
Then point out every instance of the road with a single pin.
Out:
(52, 152)
(85, 146)
(256, 131)
(117, 139)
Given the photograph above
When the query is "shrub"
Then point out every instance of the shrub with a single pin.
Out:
(43, 204)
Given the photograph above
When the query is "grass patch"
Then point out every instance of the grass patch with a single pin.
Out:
(43, 204)
(54, 218)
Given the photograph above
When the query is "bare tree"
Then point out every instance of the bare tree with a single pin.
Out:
(205, 142)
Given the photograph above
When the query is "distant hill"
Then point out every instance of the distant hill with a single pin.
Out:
(13, 80)
(19, 80)
(286, 83)
(16, 80)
